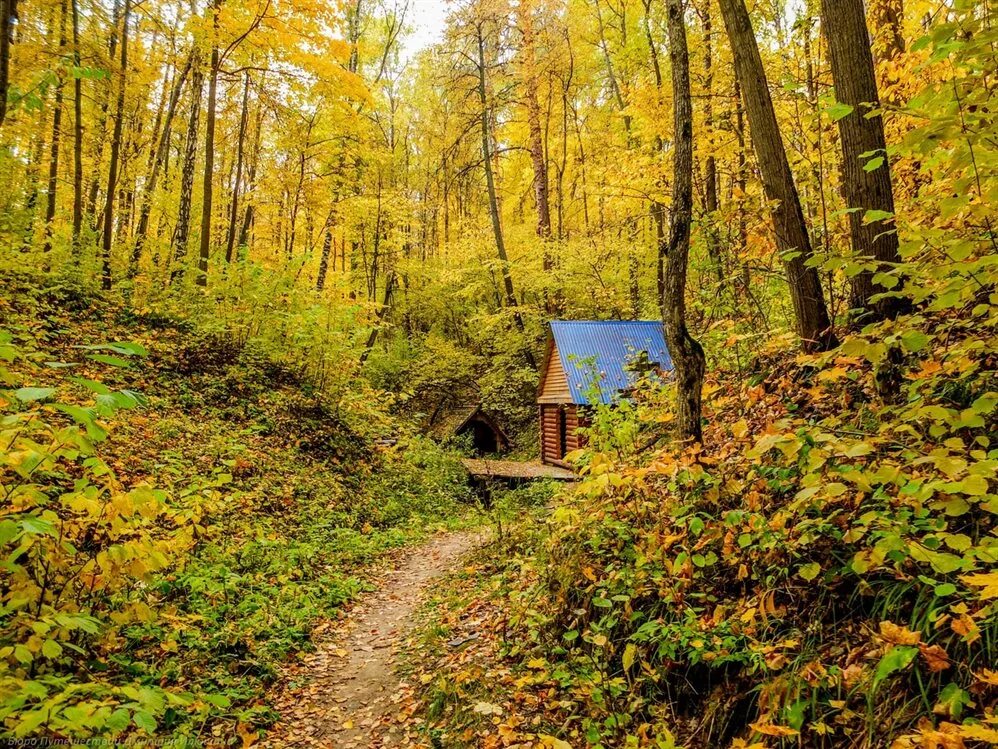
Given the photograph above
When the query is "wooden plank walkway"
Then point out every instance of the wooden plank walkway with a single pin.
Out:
(509, 469)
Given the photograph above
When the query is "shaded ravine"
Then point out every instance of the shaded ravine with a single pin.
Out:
(343, 694)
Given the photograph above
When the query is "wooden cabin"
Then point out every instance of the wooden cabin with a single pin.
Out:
(457, 419)
(589, 362)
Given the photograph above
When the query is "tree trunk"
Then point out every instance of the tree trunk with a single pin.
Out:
(234, 214)
(327, 245)
(77, 137)
(687, 354)
(160, 158)
(490, 184)
(251, 177)
(862, 133)
(54, 145)
(886, 18)
(8, 20)
(537, 157)
(792, 240)
(187, 174)
(209, 159)
(112, 174)
(100, 130)
(382, 311)
(711, 203)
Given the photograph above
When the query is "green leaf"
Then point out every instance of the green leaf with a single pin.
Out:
(51, 649)
(22, 654)
(36, 525)
(914, 340)
(218, 700)
(944, 589)
(875, 163)
(31, 394)
(952, 700)
(838, 110)
(872, 216)
(145, 721)
(809, 571)
(895, 659)
(98, 387)
(114, 361)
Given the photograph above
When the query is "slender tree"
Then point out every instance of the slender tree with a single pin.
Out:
(535, 140)
(53, 183)
(182, 235)
(792, 240)
(8, 20)
(490, 183)
(251, 178)
(112, 174)
(861, 133)
(77, 135)
(209, 156)
(160, 151)
(687, 354)
(234, 212)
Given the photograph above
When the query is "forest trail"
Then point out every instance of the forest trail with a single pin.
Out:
(342, 695)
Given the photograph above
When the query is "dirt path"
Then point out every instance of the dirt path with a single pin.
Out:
(341, 696)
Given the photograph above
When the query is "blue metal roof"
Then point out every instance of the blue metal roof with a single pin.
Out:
(596, 353)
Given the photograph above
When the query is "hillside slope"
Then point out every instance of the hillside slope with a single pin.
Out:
(180, 510)
(823, 573)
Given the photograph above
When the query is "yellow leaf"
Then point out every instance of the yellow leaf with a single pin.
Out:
(553, 743)
(739, 429)
(988, 583)
(628, 658)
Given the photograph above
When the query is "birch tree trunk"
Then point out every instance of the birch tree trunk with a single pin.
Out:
(183, 229)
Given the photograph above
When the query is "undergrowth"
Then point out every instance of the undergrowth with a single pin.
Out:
(823, 572)
(181, 507)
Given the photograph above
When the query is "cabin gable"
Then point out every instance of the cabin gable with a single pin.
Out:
(554, 381)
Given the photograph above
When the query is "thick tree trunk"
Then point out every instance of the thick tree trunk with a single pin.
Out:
(209, 162)
(792, 240)
(861, 132)
(54, 145)
(158, 161)
(183, 230)
(687, 354)
(234, 213)
(77, 137)
(112, 174)
(8, 20)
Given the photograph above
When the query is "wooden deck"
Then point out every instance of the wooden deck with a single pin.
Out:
(509, 469)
